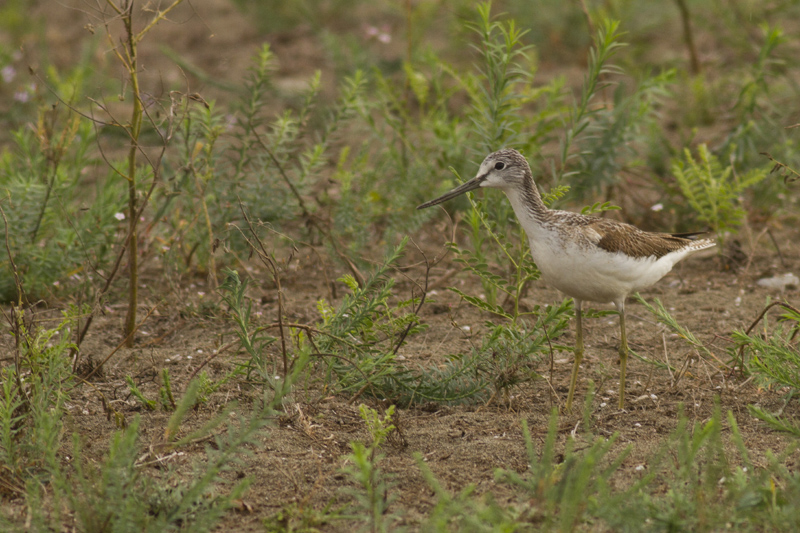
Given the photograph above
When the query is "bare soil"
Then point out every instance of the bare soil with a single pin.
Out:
(302, 456)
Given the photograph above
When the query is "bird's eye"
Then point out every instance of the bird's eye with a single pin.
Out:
(499, 165)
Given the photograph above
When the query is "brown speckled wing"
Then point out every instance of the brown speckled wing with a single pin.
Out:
(619, 237)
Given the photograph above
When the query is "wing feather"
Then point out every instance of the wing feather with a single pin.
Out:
(620, 237)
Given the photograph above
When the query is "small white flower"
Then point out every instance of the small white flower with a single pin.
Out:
(21, 97)
(466, 328)
(119, 216)
(8, 73)
(657, 207)
(640, 468)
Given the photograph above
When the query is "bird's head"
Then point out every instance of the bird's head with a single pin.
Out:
(504, 169)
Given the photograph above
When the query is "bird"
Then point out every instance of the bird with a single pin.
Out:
(588, 258)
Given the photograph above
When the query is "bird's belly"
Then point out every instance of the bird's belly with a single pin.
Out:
(592, 274)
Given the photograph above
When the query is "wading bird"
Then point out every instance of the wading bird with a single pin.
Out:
(588, 258)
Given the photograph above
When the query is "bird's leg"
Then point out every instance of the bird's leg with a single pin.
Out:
(578, 354)
(623, 354)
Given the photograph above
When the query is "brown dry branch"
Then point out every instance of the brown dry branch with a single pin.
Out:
(688, 37)
(17, 316)
(53, 155)
(789, 174)
(127, 54)
(269, 261)
(125, 342)
(424, 294)
(310, 217)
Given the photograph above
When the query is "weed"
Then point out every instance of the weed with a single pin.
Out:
(252, 339)
(775, 361)
(714, 190)
(150, 405)
(373, 499)
(562, 494)
(34, 394)
(165, 395)
(118, 494)
(59, 241)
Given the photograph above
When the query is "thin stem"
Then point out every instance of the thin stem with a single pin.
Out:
(687, 36)
(135, 130)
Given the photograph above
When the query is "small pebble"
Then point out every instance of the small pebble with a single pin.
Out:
(780, 282)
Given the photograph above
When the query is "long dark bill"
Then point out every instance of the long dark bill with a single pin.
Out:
(470, 185)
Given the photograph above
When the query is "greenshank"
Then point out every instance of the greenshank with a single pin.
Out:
(588, 258)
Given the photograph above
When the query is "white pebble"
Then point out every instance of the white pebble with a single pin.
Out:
(779, 282)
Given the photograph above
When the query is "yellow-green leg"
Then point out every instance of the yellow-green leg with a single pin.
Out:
(578, 354)
(623, 354)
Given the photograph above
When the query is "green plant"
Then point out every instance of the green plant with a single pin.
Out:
(617, 133)
(364, 328)
(253, 339)
(119, 494)
(165, 395)
(664, 316)
(57, 239)
(714, 190)
(379, 428)
(373, 500)
(511, 355)
(774, 361)
(150, 405)
(465, 511)
(297, 516)
(561, 494)
(497, 97)
(34, 392)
